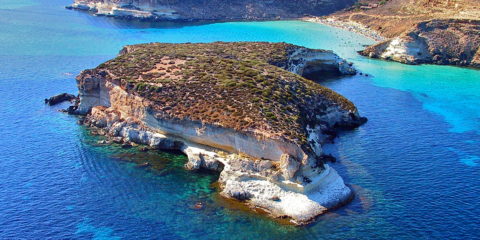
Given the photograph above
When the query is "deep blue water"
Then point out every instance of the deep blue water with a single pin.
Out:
(415, 166)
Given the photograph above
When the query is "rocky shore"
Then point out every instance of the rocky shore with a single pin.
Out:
(212, 10)
(443, 42)
(261, 126)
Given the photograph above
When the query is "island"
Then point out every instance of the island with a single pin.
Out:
(253, 111)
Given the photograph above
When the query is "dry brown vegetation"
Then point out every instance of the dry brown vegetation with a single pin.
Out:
(235, 85)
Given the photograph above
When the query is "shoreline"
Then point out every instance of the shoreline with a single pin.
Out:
(250, 182)
(284, 173)
(349, 26)
(193, 21)
(145, 17)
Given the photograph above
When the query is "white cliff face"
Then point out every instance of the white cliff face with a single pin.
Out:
(303, 60)
(92, 92)
(119, 9)
(225, 139)
(270, 185)
(406, 50)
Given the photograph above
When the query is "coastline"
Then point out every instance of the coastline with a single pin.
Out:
(129, 14)
(421, 43)
(281, 175)
(349, 26)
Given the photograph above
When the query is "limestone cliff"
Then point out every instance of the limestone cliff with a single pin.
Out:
(234, 108)
(192, 10)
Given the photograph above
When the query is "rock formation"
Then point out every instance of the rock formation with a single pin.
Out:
(60, 98)
(194, 10)
(446, 42)
(239, 108)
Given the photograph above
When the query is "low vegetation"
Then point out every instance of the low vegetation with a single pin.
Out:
(236, 85)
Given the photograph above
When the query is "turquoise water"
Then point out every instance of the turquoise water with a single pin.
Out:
(415, 166)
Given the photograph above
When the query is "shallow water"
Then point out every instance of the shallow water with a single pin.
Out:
(414, 165)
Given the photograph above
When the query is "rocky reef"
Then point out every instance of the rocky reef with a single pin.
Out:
(242, 109)
(214, 10)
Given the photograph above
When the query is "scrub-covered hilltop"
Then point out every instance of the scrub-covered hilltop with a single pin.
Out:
(194, 10)
(239, 108)
(422, 31)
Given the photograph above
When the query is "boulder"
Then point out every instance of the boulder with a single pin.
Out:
(60, 98)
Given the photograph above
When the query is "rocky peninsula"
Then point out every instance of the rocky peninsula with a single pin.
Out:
(244, 109)
(444, 42)
(209, 10)
(445, 32)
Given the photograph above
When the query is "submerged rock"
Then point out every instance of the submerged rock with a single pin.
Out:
(144, 149)
(238, 108)
(126, 145)
(198, 206)
(143, 165)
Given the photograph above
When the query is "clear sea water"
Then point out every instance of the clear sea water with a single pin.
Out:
(415, 166)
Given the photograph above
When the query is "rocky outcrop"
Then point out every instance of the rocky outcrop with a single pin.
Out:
(264, 162)
(193, 10)
(317, 65)
(60, 98)
(446, 42)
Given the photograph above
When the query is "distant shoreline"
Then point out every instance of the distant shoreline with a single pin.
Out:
(349, 26)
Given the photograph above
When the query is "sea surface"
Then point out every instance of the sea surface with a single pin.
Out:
(415, 166)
